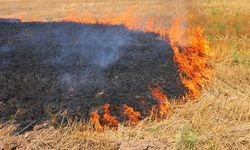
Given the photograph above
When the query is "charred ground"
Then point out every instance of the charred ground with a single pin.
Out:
(49, 67)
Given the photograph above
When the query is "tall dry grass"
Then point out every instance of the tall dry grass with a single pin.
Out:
(219, 120)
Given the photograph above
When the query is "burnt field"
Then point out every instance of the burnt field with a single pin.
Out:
(57, 91)
(73, 69)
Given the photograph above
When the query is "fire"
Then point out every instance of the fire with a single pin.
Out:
(191, 51)
(94, 119)
(128, 19)
(111, 120)
(164, 105)
(191, 54)
(191, 58)
(133, 115)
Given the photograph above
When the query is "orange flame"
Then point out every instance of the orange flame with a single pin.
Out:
(94, 119)
(111, 120)
(164, 105)
(133, 115)
(128, 19)
(191, 58)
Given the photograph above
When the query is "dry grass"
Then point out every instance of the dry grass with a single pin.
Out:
(219, 120)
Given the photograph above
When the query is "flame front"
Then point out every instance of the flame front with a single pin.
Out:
(132, 115)
(163, 104)
(111, 120)
(94, 119)
(191, 58)
(128, 19)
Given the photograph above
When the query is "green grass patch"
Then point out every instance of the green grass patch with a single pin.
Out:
(239, 58)
(187, 137)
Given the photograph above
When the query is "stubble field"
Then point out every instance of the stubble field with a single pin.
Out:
(218, 119)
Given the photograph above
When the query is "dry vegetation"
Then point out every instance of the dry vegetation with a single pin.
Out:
(220, 119)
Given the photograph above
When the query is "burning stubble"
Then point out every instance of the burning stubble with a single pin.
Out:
(85, 48)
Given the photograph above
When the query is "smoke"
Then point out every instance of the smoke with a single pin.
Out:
(89, 49)
(81, 54)
(98, 46)
(9, 20)
(6, 48)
